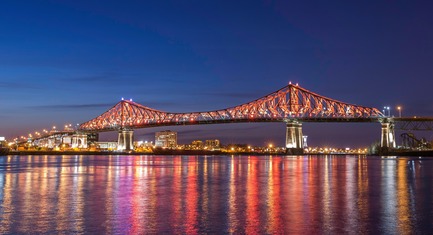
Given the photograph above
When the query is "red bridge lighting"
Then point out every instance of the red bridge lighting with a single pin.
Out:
(290, 102)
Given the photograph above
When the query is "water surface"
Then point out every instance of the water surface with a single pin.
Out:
(216, 194)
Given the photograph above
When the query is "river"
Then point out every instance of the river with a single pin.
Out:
(215, 194)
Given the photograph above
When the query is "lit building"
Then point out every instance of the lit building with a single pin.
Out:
(197, 144)
(144, 144)
(304, 142)
(106, 145)
(166, 139)
(2, 141)
(212, 144)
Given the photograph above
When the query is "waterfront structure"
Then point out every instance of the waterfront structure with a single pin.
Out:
(197, 144)
(125, 140)
(292, 104)
(79, 140)
(4, 149)
(304, 144)
(146, 144)
(166, 139)
(106, 145)
(213, 144)
(60, 139)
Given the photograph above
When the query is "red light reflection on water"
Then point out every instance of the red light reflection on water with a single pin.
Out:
(214, 194)
(191, 198)
(252, 197)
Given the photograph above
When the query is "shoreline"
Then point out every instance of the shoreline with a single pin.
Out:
(162, 152)
(203, 152)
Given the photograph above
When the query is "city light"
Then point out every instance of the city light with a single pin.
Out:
(272, 110)
(387, 108)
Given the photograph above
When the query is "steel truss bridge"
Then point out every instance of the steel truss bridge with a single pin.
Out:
(55, 138)
(291, 104)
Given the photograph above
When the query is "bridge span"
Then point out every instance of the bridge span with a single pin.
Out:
(291, 104)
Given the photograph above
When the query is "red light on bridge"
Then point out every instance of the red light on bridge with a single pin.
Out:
(290, 101)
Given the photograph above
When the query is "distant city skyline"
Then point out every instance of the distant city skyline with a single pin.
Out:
(67, 62)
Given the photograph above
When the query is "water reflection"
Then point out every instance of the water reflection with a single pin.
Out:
(215, 194)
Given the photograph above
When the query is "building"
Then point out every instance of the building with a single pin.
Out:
(3, 146)
(304, 142)
(212, 144)
(2, 142)
(110, 146)
(166, 139)
(197, 144)
(143, 144)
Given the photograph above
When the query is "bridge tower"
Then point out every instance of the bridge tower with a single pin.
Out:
(388, 135)
(294, 138)
(125, 140)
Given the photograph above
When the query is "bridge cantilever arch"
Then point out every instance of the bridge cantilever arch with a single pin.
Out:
(291, 104)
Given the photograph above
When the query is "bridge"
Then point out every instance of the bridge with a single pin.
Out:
(291, 104)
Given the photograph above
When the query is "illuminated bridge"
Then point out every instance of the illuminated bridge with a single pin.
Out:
(291, 104)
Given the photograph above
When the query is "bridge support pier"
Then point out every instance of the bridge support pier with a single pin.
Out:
(125, 140)
(79, 141)
(388, 136)
(294, 138)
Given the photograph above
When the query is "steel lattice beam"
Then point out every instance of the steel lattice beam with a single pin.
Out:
(414, 124)
(290, 102)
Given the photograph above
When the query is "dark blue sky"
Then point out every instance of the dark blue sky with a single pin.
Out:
(68, 61)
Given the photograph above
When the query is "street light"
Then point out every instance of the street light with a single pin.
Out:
(389, 111)
(399, 111)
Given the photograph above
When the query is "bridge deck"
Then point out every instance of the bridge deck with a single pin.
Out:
(289, 103)
(404, 123)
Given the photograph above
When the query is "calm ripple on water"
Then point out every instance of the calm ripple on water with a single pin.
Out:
(215, 194)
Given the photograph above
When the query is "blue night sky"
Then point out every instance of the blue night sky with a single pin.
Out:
(69, 61)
